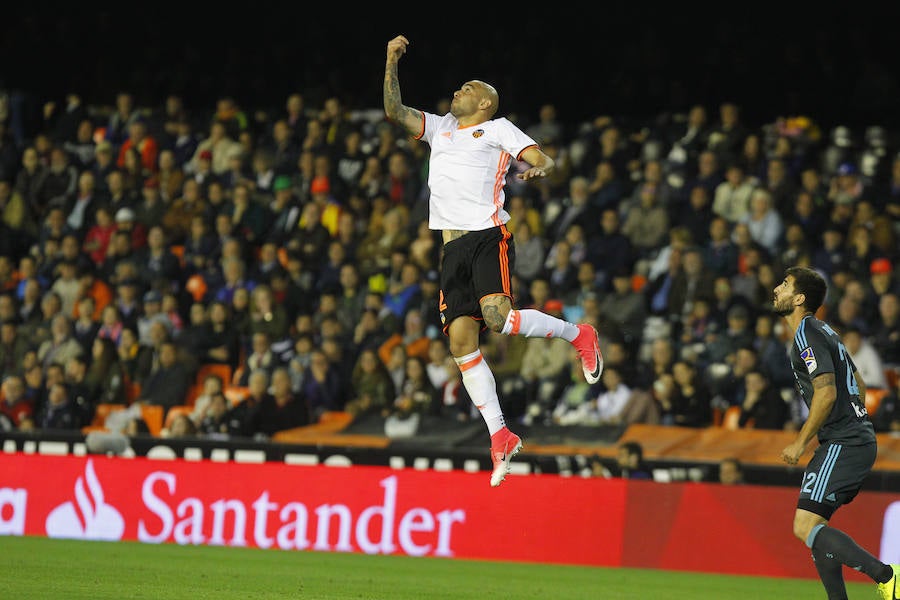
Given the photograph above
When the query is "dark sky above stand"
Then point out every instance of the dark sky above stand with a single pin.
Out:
(631, 59)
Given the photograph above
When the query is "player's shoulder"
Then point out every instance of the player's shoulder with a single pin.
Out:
(813, 330)
(502, 123)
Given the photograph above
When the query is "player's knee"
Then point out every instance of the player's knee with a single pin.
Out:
(462, 347)
(800, 532)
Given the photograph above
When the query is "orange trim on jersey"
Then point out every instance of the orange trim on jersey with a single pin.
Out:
(504, 261)
(442, 306)
(421, 133)
(499, 183)
(480, 300)
(468, 365)
(519, 156)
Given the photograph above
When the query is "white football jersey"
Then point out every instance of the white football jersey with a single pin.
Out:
(467, 170)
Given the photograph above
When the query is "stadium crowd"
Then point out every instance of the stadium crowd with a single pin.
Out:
(290, 248)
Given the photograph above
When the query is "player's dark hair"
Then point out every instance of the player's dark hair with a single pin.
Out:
(809, 283)
(635, 449)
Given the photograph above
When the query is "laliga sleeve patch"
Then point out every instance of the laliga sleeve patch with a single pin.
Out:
(809, 358)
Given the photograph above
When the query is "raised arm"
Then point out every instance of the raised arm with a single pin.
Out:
(408, 118)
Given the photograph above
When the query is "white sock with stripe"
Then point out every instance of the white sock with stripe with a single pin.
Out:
(534, 323)
(482, 389)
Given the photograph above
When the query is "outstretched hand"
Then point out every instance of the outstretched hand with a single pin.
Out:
(532, 173)
(397, 48)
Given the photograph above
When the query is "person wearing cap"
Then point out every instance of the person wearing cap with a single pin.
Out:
(150, 313)
(285, 211)
(846, 186)
(883, 279)
(126, 220)
(151, 209)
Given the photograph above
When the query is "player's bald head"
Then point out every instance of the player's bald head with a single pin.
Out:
(489, 93)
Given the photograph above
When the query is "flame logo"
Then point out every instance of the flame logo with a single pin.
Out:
(89, 517)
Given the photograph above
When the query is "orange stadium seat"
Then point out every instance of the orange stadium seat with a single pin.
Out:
(196, 286)
(153, 416)
(873, 399)
(732, 418)
(236, 394)
(178, 251)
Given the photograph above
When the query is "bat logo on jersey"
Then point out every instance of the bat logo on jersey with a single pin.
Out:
(478, 133)
(809, 358)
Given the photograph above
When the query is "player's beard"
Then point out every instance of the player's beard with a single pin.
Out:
(782, 310)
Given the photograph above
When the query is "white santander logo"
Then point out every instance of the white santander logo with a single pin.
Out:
(89, 517)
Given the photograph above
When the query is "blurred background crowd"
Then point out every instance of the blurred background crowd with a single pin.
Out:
(249, 265)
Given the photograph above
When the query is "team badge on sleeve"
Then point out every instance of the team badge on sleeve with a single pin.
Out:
(809, 358)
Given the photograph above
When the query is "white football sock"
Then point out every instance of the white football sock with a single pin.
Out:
(534, 323)
(482, 389)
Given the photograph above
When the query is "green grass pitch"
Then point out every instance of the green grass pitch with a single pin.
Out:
(40, 568)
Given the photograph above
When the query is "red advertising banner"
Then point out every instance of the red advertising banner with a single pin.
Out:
(379, 510)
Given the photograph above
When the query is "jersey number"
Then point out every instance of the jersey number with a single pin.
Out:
(807, 487)
(852, 388)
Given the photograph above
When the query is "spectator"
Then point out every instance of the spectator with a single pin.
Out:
(646, 223)
(143, 142)
(279, 410)
(373, 391)
(731, 471)
(761, 404)
(732, 197)
(736, 334)
(105, 378)
(322, 387)
(59, 185)
(869, 363)
(182, 427)
(62, 345)
(630, 461)
(212, 386)
(545, 368)
(182, 210)
(17, 409)
(60, 412)
(267, 315)
(417, 395)
(219, 145)
(151, 313)
(883, 279)
(169, 380)
(623, 310)
(765, 222)
(259, 357)
(85, 327)
(575, 402)
(215, 420)
(886, 338)
(690, 404)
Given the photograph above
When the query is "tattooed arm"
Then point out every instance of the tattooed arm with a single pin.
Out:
(824, 395)
(408, 118)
